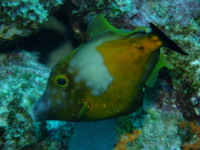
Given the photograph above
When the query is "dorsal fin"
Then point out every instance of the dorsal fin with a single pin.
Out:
(100, 24)
(166, 40)
(140, 29)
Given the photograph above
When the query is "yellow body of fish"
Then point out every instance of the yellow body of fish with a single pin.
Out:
(104, 77)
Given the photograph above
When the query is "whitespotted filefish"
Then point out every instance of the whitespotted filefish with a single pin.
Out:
(104, 77)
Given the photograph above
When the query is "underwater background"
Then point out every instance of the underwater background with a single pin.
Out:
(36, 34)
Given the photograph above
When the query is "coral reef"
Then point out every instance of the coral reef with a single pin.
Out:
(184, 75)
(22, 17)
(130, 13)
(158, 129)
(170, 117)
(23, 81)
(177, 89)
(164, 12)
(126, 139)
(191, 136)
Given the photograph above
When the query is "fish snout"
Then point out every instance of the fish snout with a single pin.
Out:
(41, 110)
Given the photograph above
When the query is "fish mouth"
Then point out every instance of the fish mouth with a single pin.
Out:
(41, 110)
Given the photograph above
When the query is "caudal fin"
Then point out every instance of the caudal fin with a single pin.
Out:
(166, 40)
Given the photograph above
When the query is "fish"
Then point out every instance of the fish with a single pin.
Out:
(104, 78)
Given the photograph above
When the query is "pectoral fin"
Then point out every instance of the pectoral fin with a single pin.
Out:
(85, 107)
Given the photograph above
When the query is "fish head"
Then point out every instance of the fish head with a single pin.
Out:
(61, 99)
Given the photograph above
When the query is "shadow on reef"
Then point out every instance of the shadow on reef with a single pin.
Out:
(47, 40)
(43, 42)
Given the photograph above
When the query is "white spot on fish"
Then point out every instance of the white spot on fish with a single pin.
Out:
(77, 79)
(54, 91)
(88, 84)
(58, 101)
(70, 70)
(90, 65)
(94, 92)
(64, 95)
(72, 63)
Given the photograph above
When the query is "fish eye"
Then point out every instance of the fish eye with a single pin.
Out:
(61, 81)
